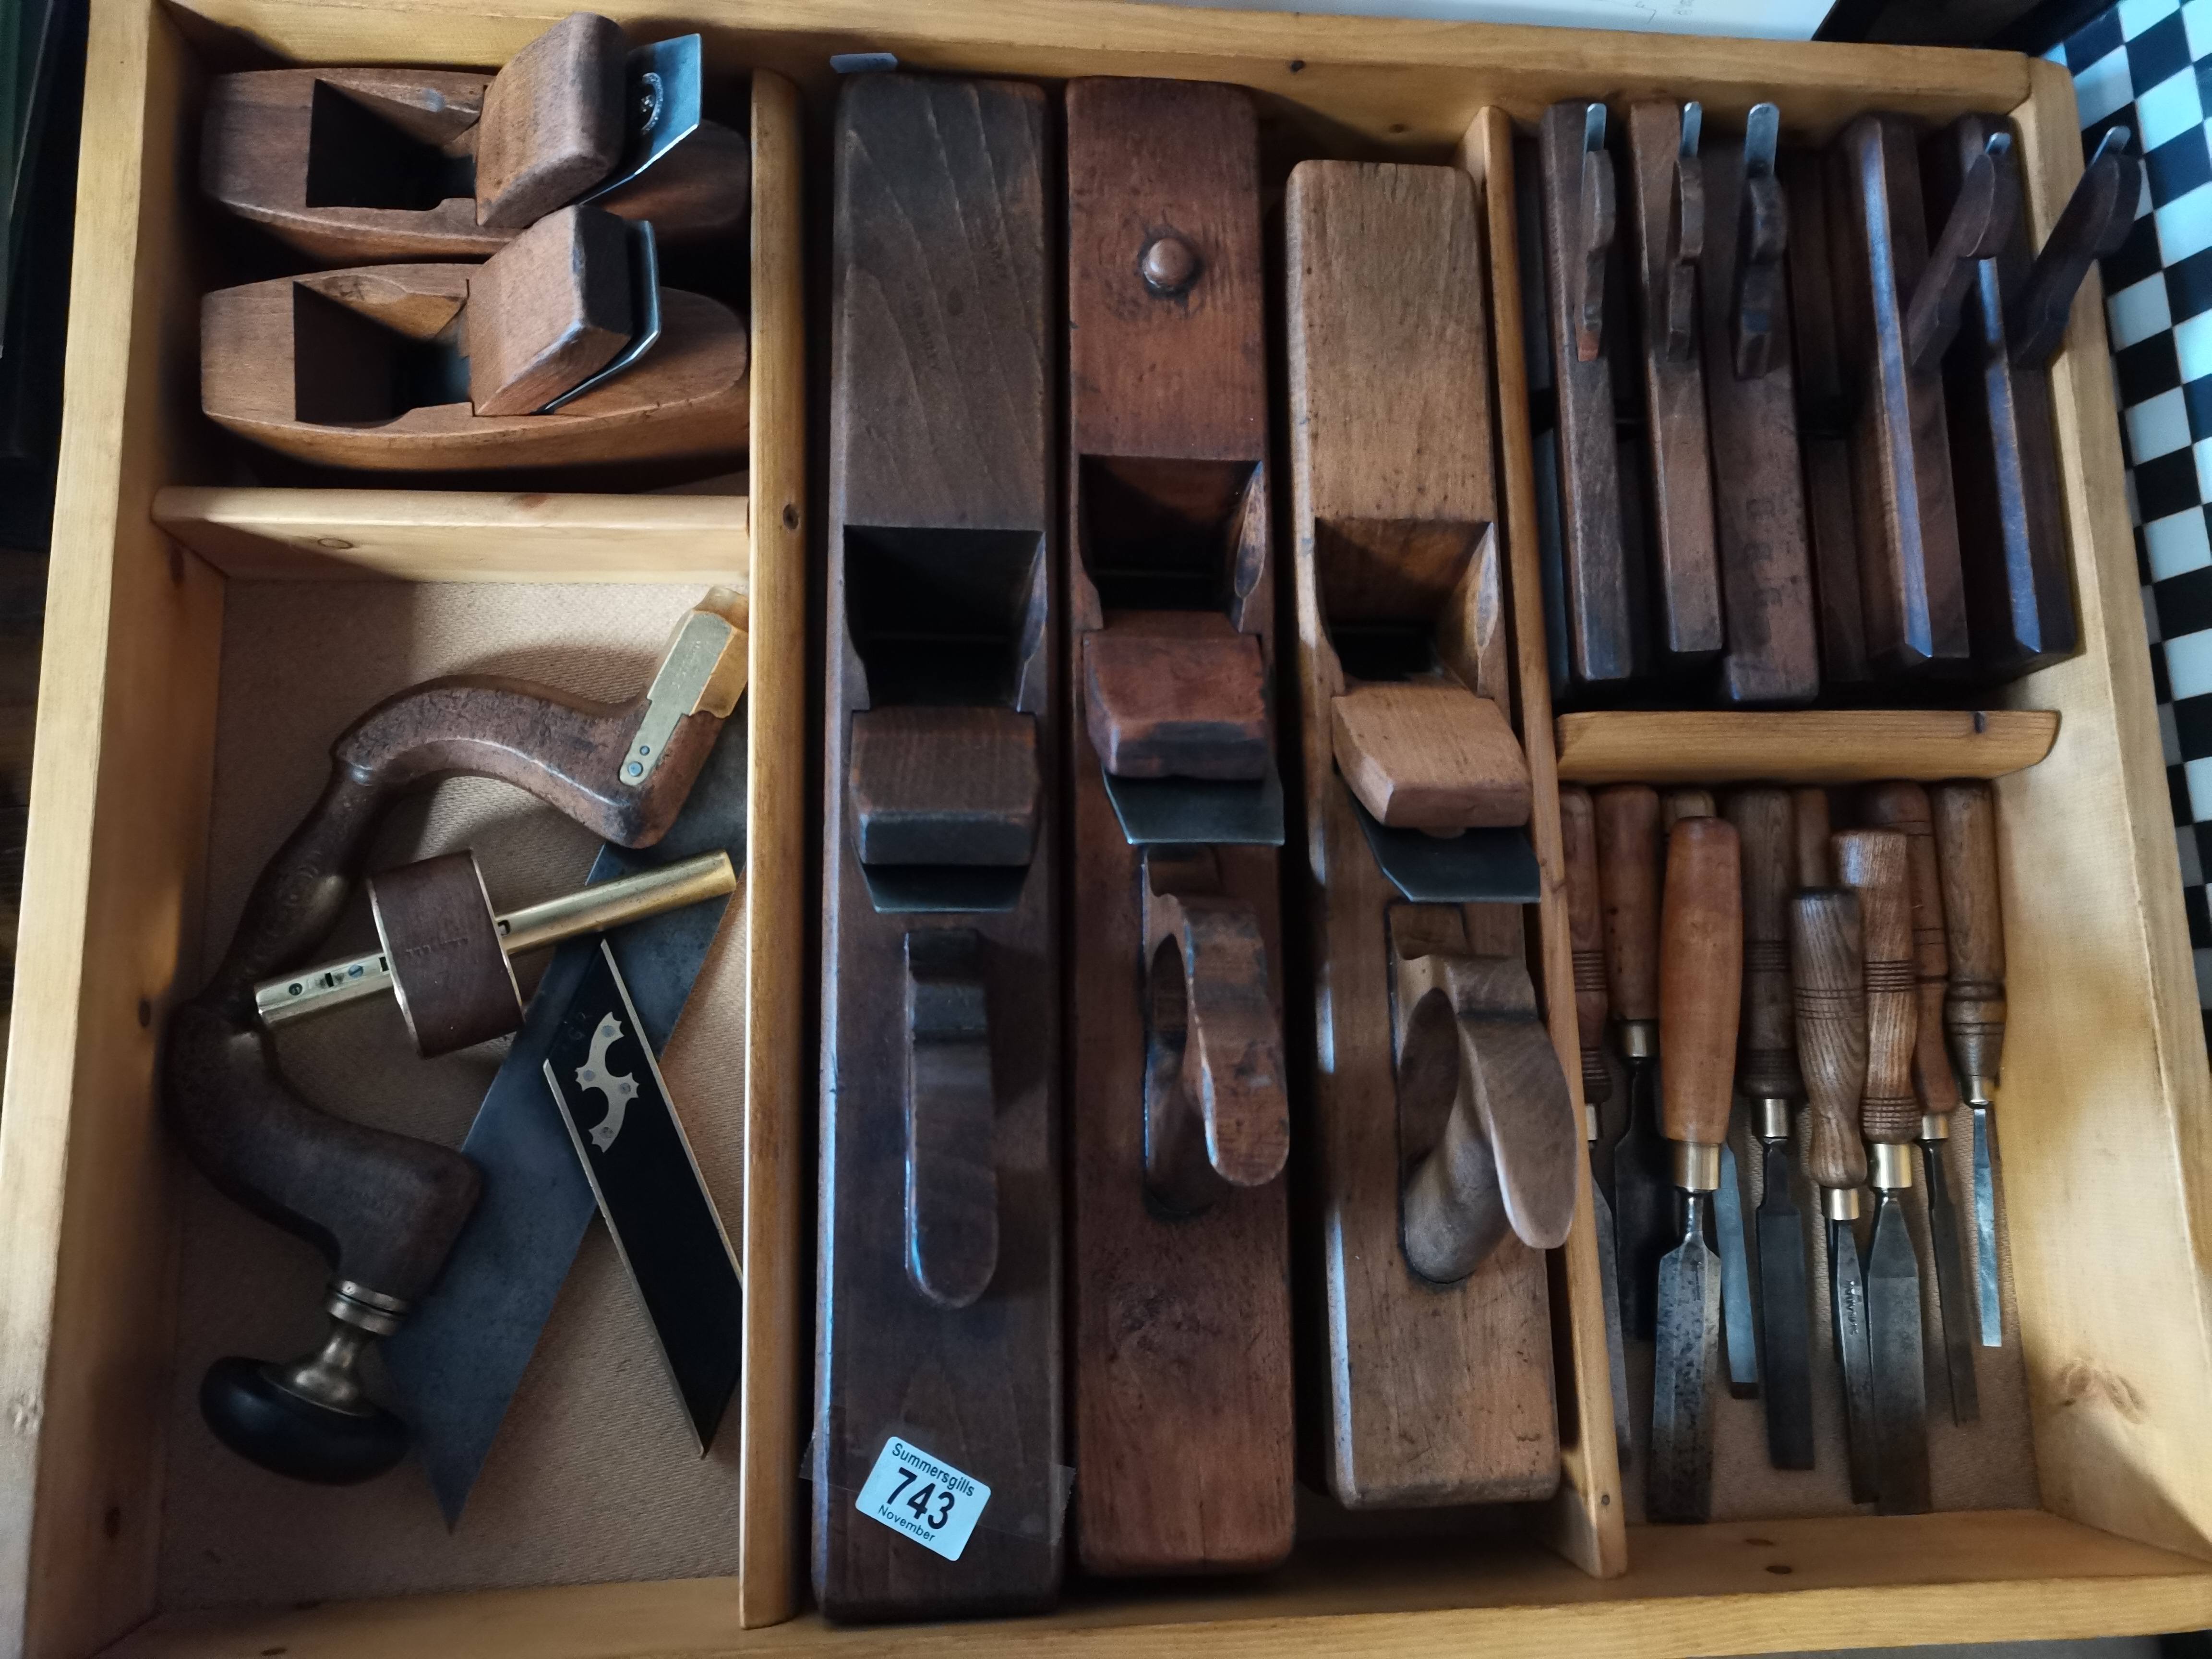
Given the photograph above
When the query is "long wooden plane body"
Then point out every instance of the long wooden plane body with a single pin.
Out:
(938, 1320)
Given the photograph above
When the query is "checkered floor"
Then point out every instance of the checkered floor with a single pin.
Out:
(2147, 65)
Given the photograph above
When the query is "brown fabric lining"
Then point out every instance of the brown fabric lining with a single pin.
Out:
(594, 1475)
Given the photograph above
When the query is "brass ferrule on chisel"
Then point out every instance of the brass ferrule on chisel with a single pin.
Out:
(1890, 1165)
(1697, 1166)
(1640, 1038)
(1771, 1118)
(1840, 1203)
(591, 909)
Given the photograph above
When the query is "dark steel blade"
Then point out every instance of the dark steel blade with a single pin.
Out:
(1900, 1388)
(1644, 1201)
(1785, 1325)
(1678, 1481)
(1738, 1322)
(1616, 1357)
(1985, 1234)
(458, 1360)
(1475, 866)
(1951, 1287)
(1854, 1357)
(1199, 811)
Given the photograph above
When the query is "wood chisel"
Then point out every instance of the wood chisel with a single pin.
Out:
(1585, 934)
(1628, 885)
(1903, 807)
(1827, 984)
(1700, 989)
(1739, 1322)
(1872, 864)
(1767, 1074)
(1974, 1009)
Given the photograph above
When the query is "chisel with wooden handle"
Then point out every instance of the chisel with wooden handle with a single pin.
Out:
(1700, 989)
(1904, 807)
(1628, 888)
(1739, 1322)
(1585, 939)
(1767, 1074)
(1873, 863)
(1827, 986)
(1974, 1009)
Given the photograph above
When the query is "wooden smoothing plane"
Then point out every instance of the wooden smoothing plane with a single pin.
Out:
(1447, 1125)
(1179, 1123)
(937, 1469)
(365, 165)
(561, 348)
(384, 1208)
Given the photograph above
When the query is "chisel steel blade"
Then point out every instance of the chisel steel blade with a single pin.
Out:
(1900, 1389)
(1854, 1356)
(1985, 1234)
(1738, 1324)
(1616, 1358)
(1951, 1287)
(1644, 1201)
(1679, 1472)
(1787, 1378)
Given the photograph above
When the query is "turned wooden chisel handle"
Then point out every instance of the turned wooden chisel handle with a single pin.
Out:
(1700, 978)
(1585, 939)
(1966, 862)
(1628, 885)
(1827, 979)
(1903, 807)
(1678, 803)
(1808, 813)
(1762, 821)
(1872, 864)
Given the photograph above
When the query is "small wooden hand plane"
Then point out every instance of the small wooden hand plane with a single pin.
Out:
(1899, 308)
(2004, 455)
(1773, 655)
(938, 1334)
(363, 166)
(384, 1208)
(560, 349)
(1441, 1387)
(1603, 585)
(1180, 1122)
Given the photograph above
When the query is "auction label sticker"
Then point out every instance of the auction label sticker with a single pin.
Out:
(931, 1503)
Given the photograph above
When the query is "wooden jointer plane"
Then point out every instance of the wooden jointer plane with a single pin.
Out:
(561, 348)
(364, 166)
(1179, 1119)
(384, 1208)
(938, 1323)
(1443, 1120)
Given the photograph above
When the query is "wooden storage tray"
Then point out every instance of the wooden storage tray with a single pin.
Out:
(2103, 1113)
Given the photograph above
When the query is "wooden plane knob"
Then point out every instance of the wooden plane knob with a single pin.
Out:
(1827, 976)
(1873, 863)
(1700, 978)
(1175, 694)
(1216, 1110)
(1585, 938)
(449, 971)
(1981, 223)
(1903, 807)
(1762, 821)
(552, 122)
(1430, 755)
(1628, 885)
(952, 1171)
(1476, 1060)
(1809, 814)
(548, 311)
(1973, 920)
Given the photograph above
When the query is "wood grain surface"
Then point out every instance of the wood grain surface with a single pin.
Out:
(552, 122)
(1872, 864)
(1437, 1393)
(1812, 745)
(1628, 879)
(1764, 826)
(1181, 1355)
(1578, 849)
(548, 311)
(1827, 973)
(1973, 922)
(1700, 978)
(1904, 807)
(937, 423)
